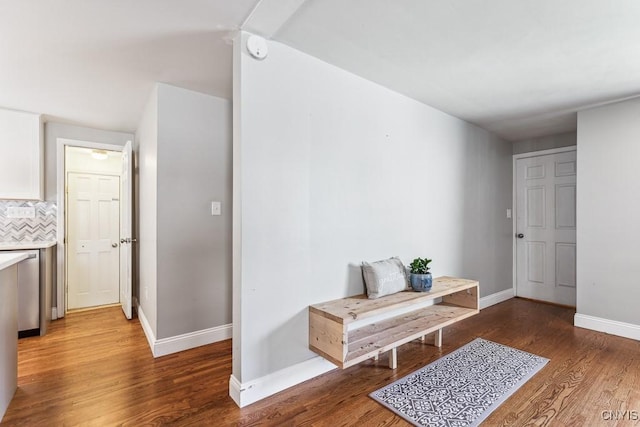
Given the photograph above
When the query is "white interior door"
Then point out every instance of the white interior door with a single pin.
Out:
(126, 252)
(93, 227)
(546, 228)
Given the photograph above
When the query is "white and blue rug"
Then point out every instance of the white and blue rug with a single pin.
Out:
(462, 388)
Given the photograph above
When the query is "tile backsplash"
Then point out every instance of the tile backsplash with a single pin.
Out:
(39, 229)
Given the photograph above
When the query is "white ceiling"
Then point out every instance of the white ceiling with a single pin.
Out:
(93, 62)
(520, 68)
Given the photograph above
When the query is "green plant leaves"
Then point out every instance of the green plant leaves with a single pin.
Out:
(420, 266)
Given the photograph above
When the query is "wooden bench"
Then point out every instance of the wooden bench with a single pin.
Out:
(331, 337)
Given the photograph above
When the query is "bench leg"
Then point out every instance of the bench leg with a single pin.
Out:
(437, 339)
(376, 357)
(393, 358)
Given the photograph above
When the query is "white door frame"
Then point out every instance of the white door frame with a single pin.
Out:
(514, 212)
(62, 143)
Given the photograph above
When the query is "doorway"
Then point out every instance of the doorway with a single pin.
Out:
(545, 226)
(92, 182)
(94, 226)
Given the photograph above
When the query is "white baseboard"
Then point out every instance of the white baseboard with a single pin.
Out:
(251, 391)
(613, 327)
(54, 313)
(496, 298)
(146, 328)
(164, 346)
(189, 340)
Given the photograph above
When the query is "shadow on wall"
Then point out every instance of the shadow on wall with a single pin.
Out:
(355, 281)
(215, 54)
(487, 192)
(294, 333)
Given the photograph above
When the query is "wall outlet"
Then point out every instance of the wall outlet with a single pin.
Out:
(21, 212)
(216, 208)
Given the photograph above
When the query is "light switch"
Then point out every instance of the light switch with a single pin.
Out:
(508, 213)
(216, 208)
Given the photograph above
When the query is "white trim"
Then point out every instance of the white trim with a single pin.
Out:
(266, 20)
(514, 210)
(165, 346)
(251, 391)
(235, 390)
(545, 152)
(146, 328)
(190, 340)
(54, 313)
(613, 327)
(496, 298)
(60, 220)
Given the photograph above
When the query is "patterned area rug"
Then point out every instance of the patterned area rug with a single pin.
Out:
(462, 388)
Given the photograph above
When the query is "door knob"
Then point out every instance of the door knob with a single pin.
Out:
(519, 235)
(114, 245)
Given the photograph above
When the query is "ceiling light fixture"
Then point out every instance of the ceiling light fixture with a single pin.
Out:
(99, 154)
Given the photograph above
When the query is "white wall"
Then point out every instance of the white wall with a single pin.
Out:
(608, 213)
(146, 221)
(330, 170)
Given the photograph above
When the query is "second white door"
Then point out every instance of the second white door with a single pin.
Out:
(546, 228)
(93, 228)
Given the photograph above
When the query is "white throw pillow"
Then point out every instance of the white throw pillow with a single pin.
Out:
(384, 277)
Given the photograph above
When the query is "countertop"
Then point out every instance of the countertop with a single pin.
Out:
(16, 246)
(7, 259)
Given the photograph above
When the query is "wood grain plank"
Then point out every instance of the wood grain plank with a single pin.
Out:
(468, 298)
(380, 337)
(327, 337)
(358, 307)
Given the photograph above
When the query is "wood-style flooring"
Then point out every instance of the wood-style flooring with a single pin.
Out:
(95, 368)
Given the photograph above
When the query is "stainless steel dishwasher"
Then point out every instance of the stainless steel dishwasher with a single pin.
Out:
(29, 294)
(35, 287)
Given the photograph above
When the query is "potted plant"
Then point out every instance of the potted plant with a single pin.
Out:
(421, 279)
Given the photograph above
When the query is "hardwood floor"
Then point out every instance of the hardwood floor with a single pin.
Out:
(95, 368)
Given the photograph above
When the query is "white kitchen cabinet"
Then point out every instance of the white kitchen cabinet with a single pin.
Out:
(21, 155)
